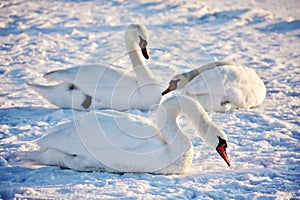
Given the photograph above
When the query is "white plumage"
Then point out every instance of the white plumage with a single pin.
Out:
(100, 86)
(120, 142)
(221, 86)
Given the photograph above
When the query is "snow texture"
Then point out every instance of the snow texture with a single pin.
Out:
(41, 36)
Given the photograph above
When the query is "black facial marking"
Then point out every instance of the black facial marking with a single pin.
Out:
(222, 141)
(174, 84)
(143, 43)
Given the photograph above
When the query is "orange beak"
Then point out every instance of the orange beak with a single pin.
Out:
(221, 149)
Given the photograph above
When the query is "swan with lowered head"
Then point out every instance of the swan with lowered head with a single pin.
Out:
(221, 86)
(100, 86)
(115, 141)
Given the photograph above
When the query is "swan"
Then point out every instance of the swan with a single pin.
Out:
(115, 141)
(221, 86)
(99, 86)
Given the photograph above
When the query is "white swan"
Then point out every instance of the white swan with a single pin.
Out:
(221, 86)
(96, 86)
(120, 142)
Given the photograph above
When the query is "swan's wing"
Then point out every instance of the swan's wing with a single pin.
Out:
(239, 85)
(118, 141)
(66, 75)
(128, 143)
(129, 132)
(81, 76)
(210, 89)
(102, 131)
(215, 81)
(63, 138)
(94, 77)
(243, 86)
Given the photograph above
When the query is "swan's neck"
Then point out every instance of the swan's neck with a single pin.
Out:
(204, 127)
(139, 64)
(195, 72)
(169, 129)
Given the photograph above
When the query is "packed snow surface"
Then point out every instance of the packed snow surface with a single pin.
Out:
(263, 143)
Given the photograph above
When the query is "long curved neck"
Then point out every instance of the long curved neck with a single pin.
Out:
(195, 72)
(139, 64)
(172, 108)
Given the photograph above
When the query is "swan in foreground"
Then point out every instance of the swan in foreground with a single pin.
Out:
(96, 86)
(116, 141)
(221, 86)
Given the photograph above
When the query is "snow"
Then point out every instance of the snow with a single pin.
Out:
(41, 36)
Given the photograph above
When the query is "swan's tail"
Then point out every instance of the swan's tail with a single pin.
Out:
(55, 94)
(41, 89)
(27, 159)
(54, 157)
(48, 157)
(63, 95)
(42, 156)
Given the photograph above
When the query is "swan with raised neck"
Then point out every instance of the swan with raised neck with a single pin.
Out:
(101, 86)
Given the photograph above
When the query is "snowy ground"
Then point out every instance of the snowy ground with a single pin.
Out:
(40, 36)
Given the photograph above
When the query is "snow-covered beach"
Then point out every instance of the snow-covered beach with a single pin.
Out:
(263, 143)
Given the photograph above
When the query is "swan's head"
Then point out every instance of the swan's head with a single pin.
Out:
(137, 35)
(208, 131)
(217, 139)
(177, 82)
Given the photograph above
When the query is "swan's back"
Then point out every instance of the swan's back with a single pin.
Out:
(238, 86)
(107, 140)
(244, 84)
(123, 130)
(90, 77)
